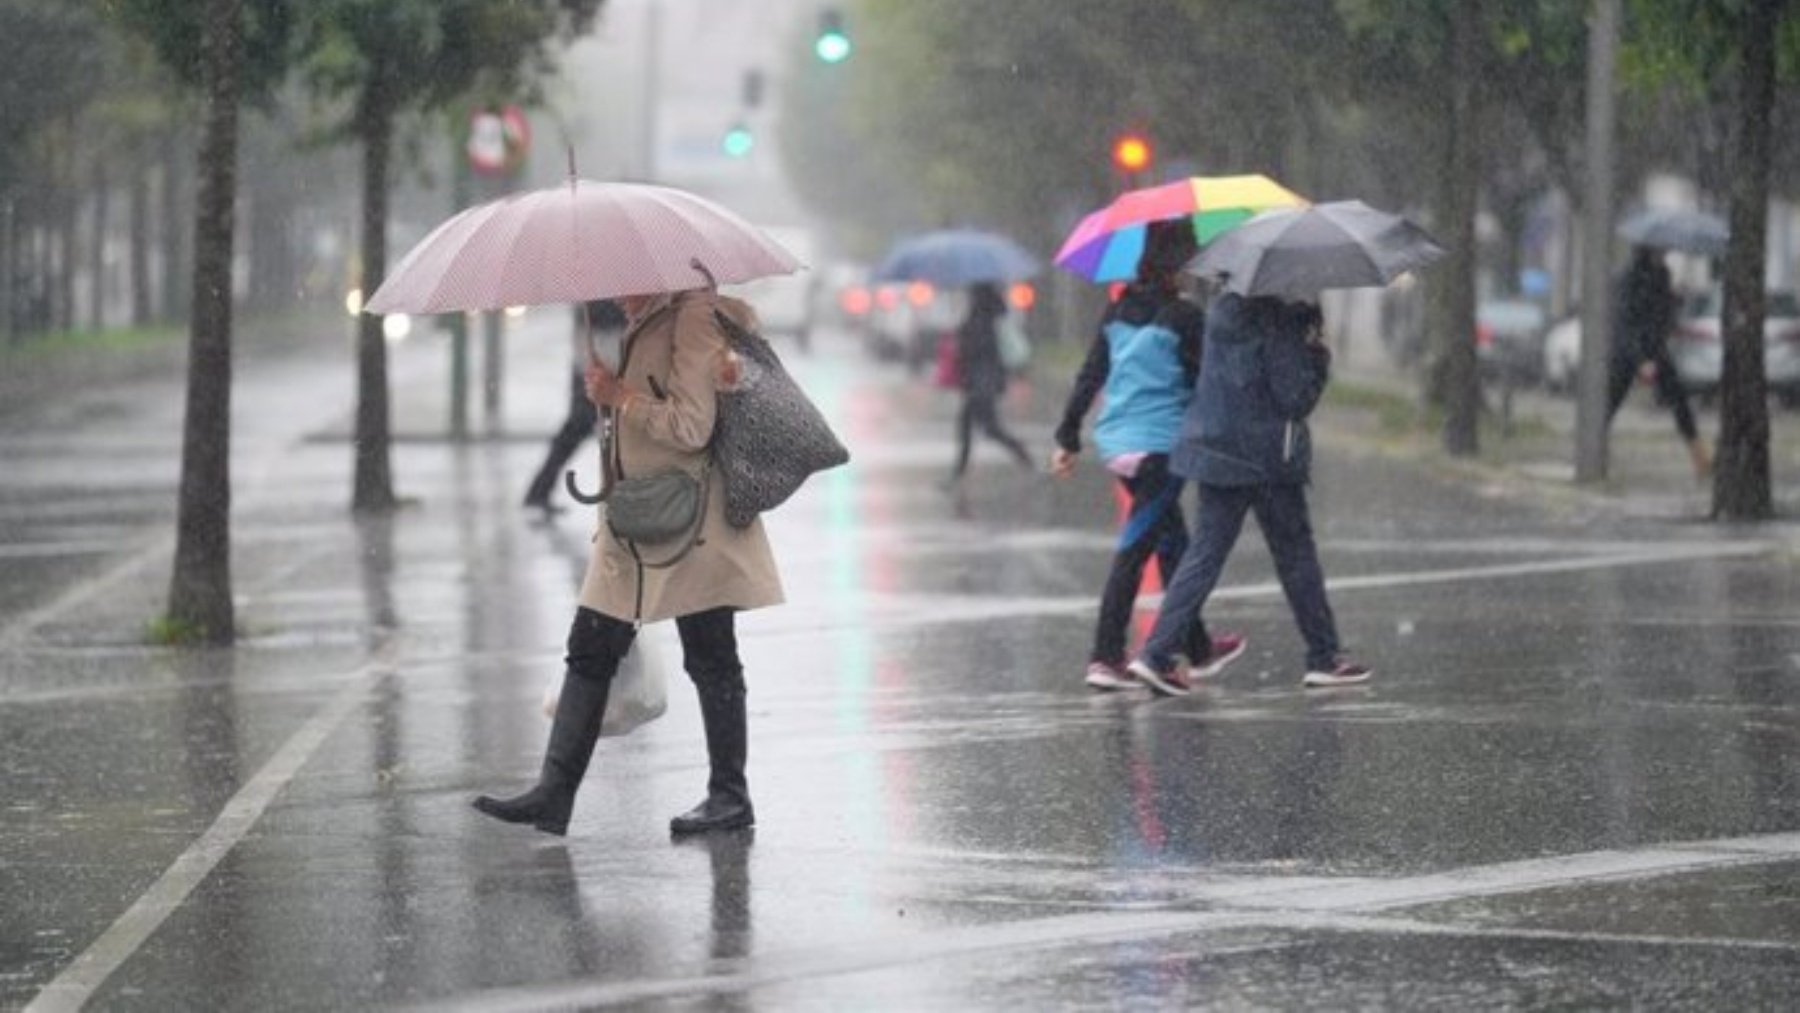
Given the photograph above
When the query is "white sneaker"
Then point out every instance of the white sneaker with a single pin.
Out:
(1344, 673)
(1101, 675)
(1174, 682)
(1226, 648)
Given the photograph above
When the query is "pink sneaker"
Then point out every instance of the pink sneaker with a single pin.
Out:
(1344, 673)
(1225, 650)
(1174, 682)
(1101, 675)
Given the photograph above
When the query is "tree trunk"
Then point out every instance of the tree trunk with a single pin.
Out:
(374, 486)
(200, 590)
(142, 311)
(1461, 183)
(97, 249)
(1741, 484)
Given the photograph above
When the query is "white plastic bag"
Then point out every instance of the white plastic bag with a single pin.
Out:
(639, 694)
(1015, 345)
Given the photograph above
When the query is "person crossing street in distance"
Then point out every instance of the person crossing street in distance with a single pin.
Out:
(982, 377)
(599, 322)
(1643, 318)
(1145, 358)
(1245, 441)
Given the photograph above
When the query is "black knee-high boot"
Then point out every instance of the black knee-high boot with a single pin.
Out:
(596, 645)
(727, 805)
(572, 736)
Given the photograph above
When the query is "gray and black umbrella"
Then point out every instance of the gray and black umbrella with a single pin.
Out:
(1295, 253)
(1668, 229)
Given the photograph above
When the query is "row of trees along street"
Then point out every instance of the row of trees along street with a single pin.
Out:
(1001, 113)
(142, 98)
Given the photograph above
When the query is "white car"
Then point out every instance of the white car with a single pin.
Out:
(1699, 352)
(785, 304)
(1562, 353)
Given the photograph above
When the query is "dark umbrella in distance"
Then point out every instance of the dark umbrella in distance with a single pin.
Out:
(1668, 229)
(1295, 253)
(952, 258)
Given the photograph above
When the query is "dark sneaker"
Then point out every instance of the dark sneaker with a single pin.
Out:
(1344, 673)
(1101, 675)
(1225, 649)
(1174, 682)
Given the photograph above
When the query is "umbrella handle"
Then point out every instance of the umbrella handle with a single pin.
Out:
(711, 282)
(575, 493)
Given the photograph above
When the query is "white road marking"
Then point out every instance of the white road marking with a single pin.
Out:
(77, 983)
(38, 550)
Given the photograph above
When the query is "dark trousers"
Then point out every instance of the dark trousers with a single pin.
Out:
(1282, 514)
(1154, 526)
(983, 410)
(1622, 372)
(576, 427)
(709, 653)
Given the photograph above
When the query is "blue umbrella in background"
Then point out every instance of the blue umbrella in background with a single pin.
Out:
(952, 258)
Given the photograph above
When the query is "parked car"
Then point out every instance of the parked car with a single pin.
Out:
(1699, 351)
(1562, 353)
(786, 304)
(1509, 335)
(902, 321)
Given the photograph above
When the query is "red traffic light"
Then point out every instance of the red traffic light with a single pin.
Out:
(1131, 153)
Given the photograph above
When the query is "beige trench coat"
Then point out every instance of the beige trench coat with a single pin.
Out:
(677, 343)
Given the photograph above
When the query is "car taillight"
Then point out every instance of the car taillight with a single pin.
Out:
(855, 300)
(1484, 335)
(887, 298)
(919, 293)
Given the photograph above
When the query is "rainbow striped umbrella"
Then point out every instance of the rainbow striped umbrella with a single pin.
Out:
(1106, 245)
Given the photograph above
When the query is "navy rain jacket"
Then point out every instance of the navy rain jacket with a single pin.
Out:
(1260, 377)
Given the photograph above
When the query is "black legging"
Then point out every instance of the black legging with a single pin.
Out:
(1154, 527)
(983, 410)
(598, 642)
(1668, 388)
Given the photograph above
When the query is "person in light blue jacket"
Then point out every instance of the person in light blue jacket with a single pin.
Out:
(1144, 359)
(1246, 443)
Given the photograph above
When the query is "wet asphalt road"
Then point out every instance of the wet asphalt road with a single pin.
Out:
(1574, 781)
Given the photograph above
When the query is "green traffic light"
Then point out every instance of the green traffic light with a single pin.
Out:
(832, 47)
(738, 142)
(832, 43)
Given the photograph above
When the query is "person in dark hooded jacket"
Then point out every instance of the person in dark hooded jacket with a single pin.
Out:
(1246, 442)
(982, 376)
(1145, 359)
(1644, 316)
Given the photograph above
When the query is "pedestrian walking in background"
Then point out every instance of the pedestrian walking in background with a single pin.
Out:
(982, 376)
(1246, 443)
(1643, 318)
(598, 323)
(1146, 359)
(663, 403)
